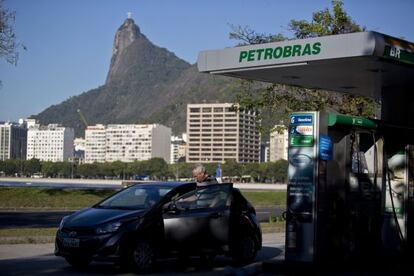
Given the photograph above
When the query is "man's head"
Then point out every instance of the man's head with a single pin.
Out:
(199, 173)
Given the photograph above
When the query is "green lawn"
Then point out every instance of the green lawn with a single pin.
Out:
(265, 198)
(22, 232)
(40, 232)
(273, 227)
(27, 235)
(51, 198)
(32, 197)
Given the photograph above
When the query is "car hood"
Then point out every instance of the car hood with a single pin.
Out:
(95, 216)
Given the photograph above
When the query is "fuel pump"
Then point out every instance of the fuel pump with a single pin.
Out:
(398, 201)
(335, 187)
(350, 194)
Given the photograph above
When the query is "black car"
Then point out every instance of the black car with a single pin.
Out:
(143, 222)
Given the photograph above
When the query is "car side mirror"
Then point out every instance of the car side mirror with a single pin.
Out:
(171, 208)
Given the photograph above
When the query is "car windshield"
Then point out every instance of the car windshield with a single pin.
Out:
(134, 198)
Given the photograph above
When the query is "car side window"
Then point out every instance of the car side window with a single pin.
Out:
(213, 196)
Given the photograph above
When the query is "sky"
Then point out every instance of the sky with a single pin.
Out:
(69, 42)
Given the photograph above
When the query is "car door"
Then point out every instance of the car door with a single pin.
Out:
(199, 220)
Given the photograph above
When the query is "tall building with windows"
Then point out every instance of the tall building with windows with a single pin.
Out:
(79, 150)
(95, 143)
(265, 152)
(178, 148)
(216, 133)
(49, 143)
(278, 143)
(13, 141)
(127, 143)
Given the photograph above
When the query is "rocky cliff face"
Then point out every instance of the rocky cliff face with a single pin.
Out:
(145, 84)
(125, 36)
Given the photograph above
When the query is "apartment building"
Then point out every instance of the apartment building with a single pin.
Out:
(216, 132)
(278, 146)
(95, 143)
(49, 143)
(265, 152)
(13, 141)
(127, 142)
(178, 148)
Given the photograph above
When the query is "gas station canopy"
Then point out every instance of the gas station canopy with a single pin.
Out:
(358, 63)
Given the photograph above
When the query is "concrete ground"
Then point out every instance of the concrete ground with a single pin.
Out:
(13, 251)
(38, 259)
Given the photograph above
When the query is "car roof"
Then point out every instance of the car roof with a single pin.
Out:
(172, 184)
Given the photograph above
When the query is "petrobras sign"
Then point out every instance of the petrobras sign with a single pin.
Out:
(280, 52)
(288, 53)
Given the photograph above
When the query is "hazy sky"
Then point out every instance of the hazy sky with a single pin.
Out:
(69, 42)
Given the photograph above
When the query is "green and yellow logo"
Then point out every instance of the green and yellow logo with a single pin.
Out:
(296, 50)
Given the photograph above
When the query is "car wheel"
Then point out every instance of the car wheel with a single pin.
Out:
(245, 250)
(143, 256)
(78, 262)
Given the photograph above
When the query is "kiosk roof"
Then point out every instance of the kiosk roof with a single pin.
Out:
(358, 63)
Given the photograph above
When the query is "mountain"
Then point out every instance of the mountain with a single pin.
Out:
(145, 84)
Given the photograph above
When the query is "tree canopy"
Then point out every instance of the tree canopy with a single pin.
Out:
(274, 102)
(8, 42)
(154, 169)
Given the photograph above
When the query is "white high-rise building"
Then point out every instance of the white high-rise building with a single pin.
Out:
(79, 145)
(265, 152)
(178, 148)
(49, 143)
(95, 143)
(13, 141)
(127, 143)
(217, 133)
(278, 143)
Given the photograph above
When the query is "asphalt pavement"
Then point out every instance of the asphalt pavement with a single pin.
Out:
(109, 184)
(38, 259)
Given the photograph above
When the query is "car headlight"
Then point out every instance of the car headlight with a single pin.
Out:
(62, 222)
(108, 228)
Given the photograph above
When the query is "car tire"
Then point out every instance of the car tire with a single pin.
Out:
(245, 250)
(78, 262)
(142, 257)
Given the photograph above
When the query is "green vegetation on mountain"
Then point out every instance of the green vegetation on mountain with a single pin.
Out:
(149, 84)
(145, 84)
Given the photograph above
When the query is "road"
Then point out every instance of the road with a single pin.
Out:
(43, 219)
(108, 184)
(38, 259)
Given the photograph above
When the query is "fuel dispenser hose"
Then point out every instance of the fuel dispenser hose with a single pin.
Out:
(400, 234)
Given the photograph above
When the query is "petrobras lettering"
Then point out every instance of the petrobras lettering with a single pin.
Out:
(296, 50)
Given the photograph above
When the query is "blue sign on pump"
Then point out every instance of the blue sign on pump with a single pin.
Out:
(301, 119)
(325, 147)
